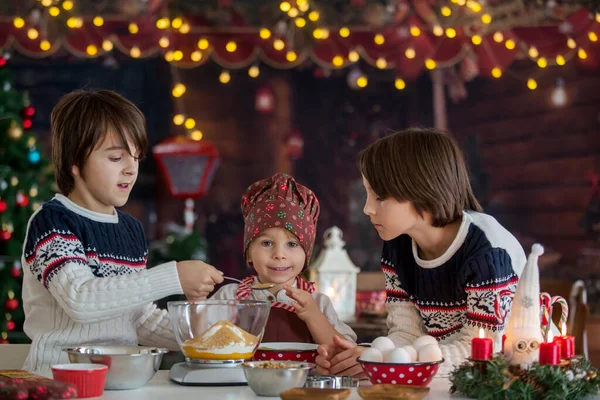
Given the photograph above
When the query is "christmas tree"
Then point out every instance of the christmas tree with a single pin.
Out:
(26, 180)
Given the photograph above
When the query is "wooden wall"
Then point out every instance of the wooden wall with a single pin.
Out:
(337, 122)
(536, 153)
(250, 145)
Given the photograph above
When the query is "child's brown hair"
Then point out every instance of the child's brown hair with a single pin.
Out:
(79, 123)
(423, 166)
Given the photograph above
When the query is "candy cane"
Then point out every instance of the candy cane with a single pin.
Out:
(500, 313)
(564, 315)
(546, 305)
(546, 312)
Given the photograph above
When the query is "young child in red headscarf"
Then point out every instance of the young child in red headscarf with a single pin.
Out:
(280, 223)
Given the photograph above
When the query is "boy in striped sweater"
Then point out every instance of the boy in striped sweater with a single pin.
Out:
(85, 277)
(444, 261)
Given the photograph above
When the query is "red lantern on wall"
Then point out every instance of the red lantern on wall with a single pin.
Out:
(265, 100)
(187, 165)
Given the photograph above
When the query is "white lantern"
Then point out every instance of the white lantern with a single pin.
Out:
(335, 274)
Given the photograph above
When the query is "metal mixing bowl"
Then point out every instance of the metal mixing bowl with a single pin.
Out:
(129, 367)
(273, 381)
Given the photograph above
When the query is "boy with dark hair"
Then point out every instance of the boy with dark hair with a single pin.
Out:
(444, 260)
(85, 277)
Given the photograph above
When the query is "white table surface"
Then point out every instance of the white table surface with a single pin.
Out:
(160, 387)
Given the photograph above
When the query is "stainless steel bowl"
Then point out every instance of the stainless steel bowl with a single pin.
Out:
(273, 381)
(331, 382)
(129, 367)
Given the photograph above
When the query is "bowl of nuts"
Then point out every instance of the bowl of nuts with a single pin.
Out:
(270, 378)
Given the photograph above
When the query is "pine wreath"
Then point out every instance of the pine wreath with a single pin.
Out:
(495, 380)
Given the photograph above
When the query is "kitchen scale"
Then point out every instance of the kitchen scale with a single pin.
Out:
(208, 373)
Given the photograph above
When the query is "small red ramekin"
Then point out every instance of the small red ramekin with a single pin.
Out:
(89, 378)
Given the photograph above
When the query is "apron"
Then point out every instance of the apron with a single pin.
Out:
(283, 324)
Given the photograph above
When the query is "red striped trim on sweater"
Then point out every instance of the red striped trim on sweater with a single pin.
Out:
(479, 317)
(397, 293)
(492, 286)
(442, 308)
(132, 264)
(70, 238)
(389, 270)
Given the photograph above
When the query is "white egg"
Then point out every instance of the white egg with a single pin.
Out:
(397, 356)
(411, 352)
(372, 355)
(383, 344)
(424, 341)
(430, 353)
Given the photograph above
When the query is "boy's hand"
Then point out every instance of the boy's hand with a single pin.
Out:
(339, 358)
(306, 307)
(198, 279)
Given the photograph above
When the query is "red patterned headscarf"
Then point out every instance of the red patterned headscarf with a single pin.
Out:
(281, 202)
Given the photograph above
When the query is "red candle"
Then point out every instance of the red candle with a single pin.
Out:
(567, 344)
(481, 347)
(550, 352)
(503, 340)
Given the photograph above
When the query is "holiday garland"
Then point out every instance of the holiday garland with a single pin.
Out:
(592, 5)
(495, 379)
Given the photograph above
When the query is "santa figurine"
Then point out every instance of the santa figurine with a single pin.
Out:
(523, 333)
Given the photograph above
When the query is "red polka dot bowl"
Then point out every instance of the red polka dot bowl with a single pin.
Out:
(411, 374)
(286, 351)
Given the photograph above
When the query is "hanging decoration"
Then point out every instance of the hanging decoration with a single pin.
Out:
(15, 271)
(404, 37)
(15, 131)
(264, 100)
(295, 145)
(11, 304)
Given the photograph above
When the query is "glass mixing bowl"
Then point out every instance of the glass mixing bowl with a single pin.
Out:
(217, 331)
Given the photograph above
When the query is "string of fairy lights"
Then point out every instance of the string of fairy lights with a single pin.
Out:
(181, 119)
(303, 15)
